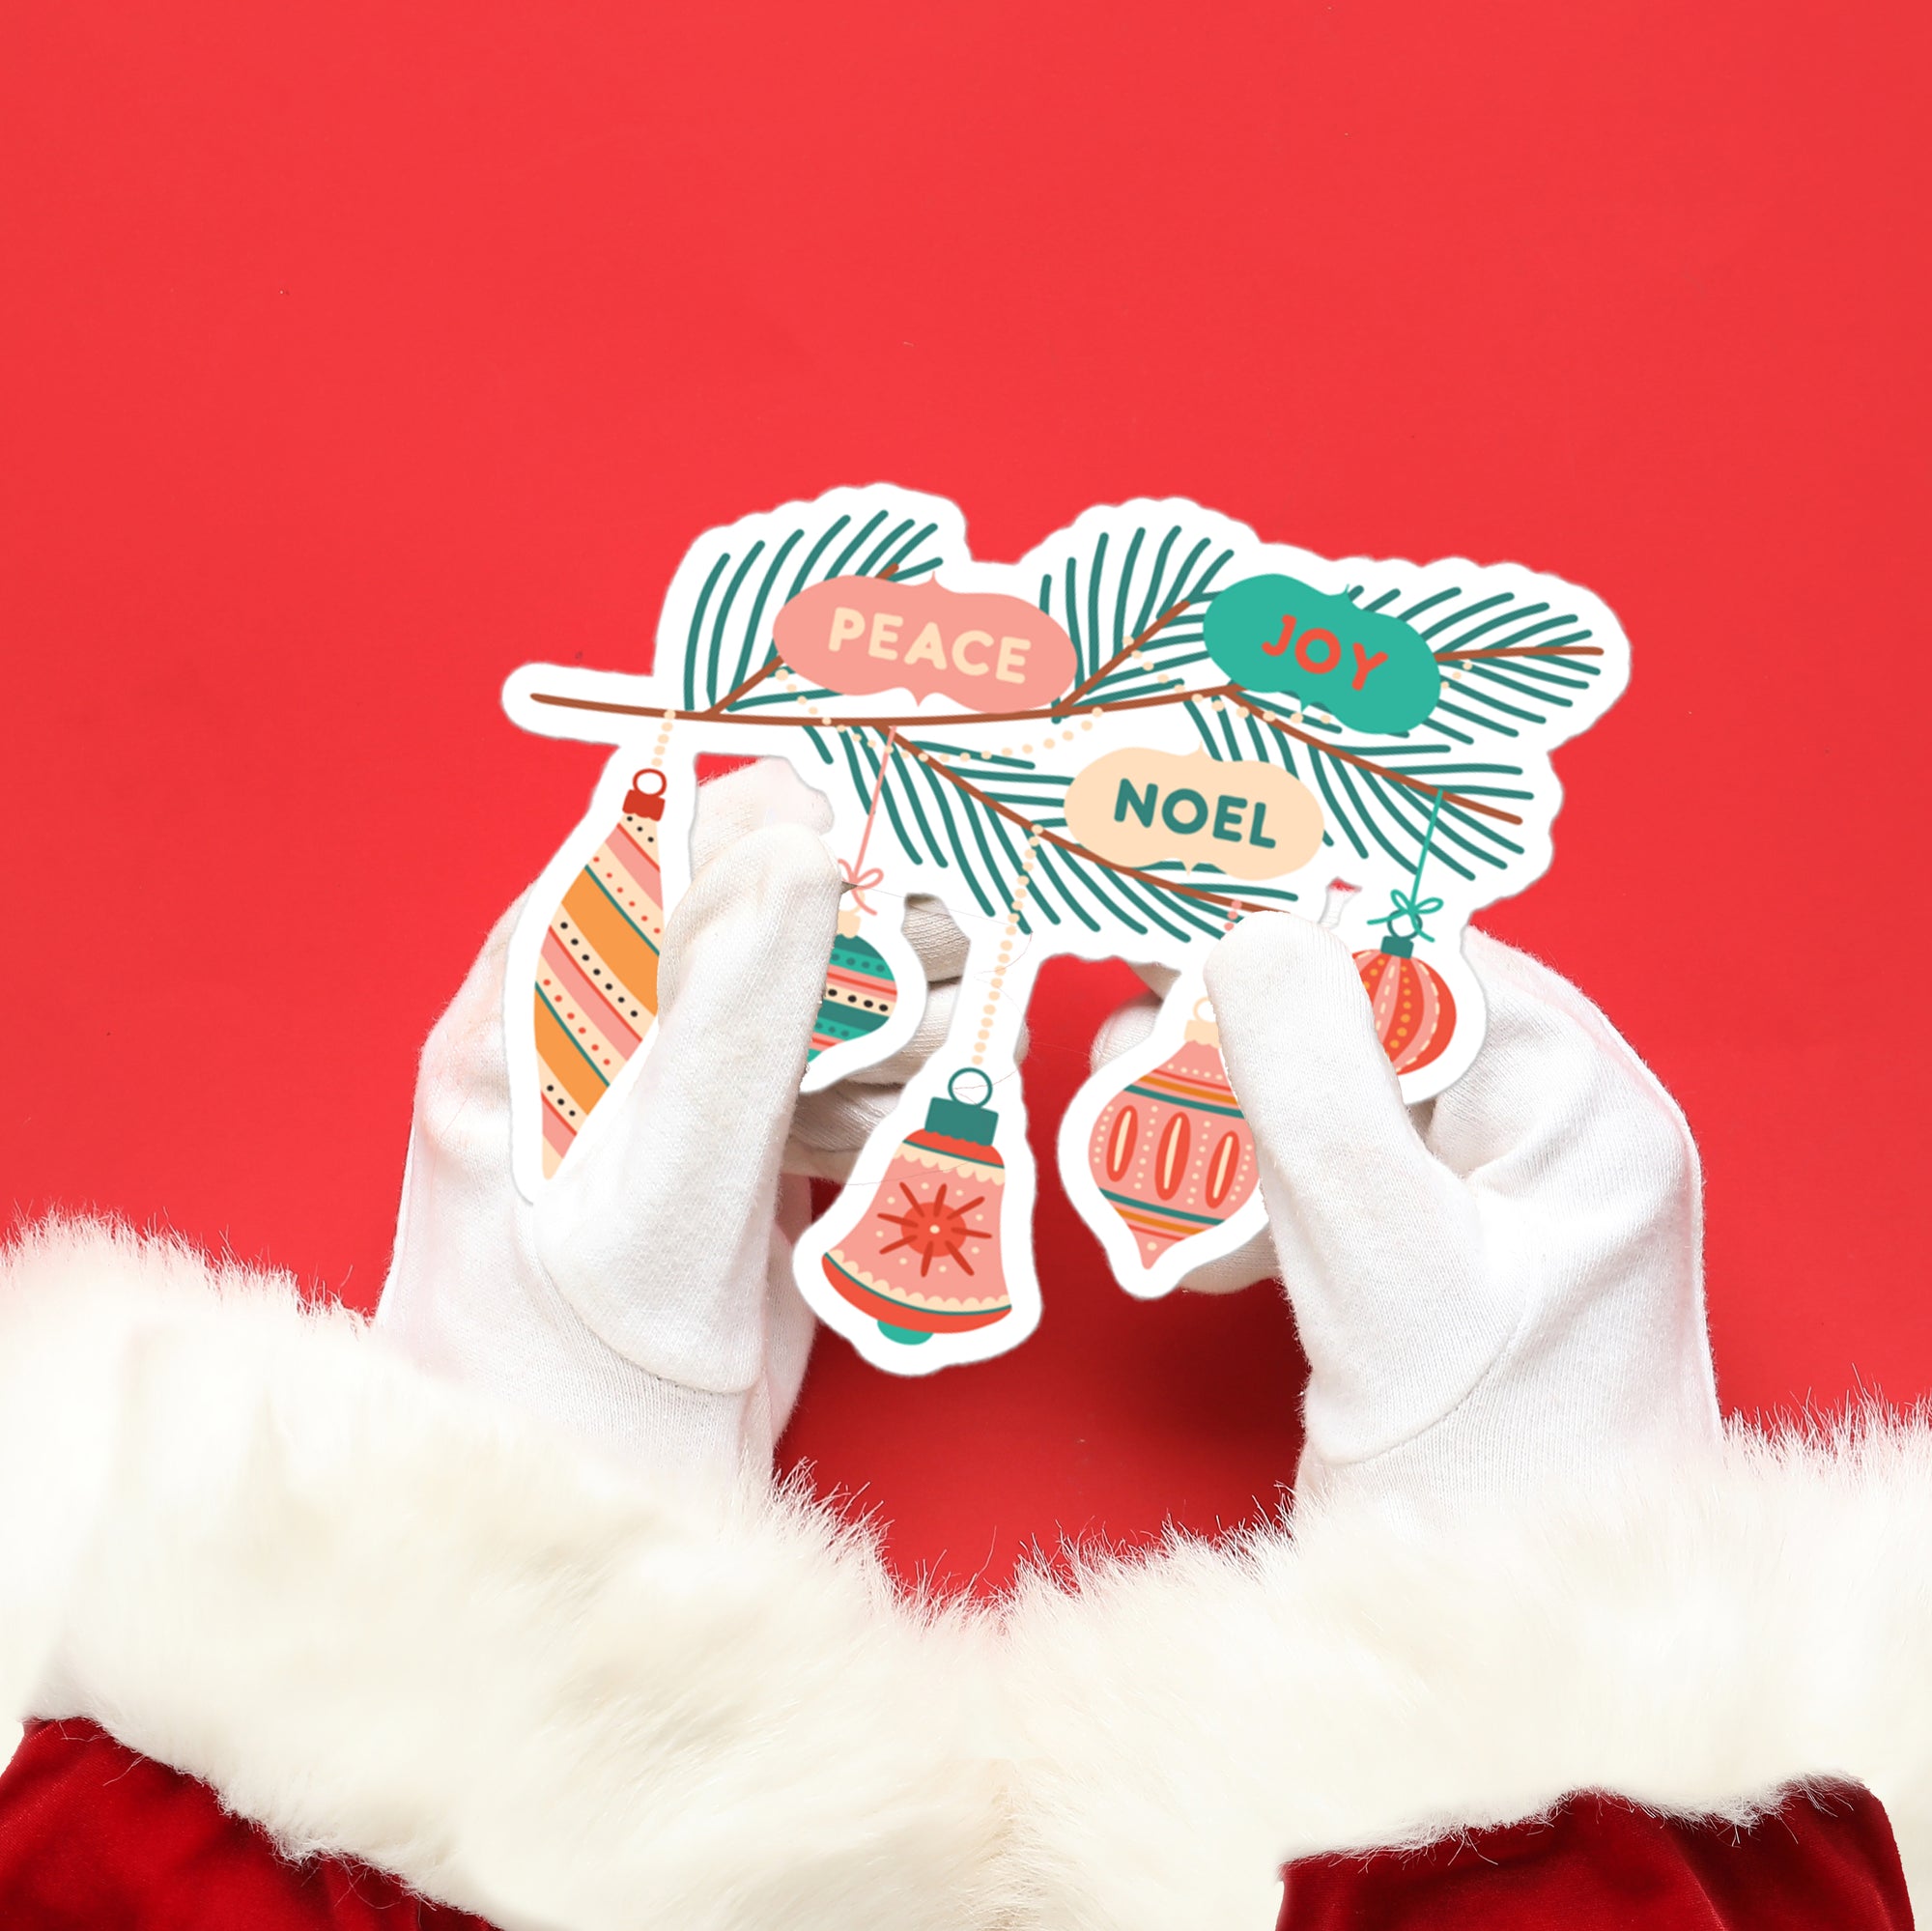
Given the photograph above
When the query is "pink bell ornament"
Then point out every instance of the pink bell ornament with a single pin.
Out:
(925, 1258)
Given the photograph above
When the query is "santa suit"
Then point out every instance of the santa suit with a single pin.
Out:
(488, 1612)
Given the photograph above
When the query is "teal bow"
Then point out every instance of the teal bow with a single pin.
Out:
(1406, 904)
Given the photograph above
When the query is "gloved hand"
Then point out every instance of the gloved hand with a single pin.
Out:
(1496, 1290)
(645, 1301)
(832, 1125)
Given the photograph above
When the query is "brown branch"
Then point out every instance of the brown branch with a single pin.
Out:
(922, 721)
(1121, 656)
(733, 695)
(1521, 650)
(1273, 722)
(1080, 851)
(910, 719)
(757, 677)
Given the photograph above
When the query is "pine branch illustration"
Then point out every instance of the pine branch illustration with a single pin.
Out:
(941, 771)
(1508, 667)
(728, 621)
(1231, 693)
(1121, 656)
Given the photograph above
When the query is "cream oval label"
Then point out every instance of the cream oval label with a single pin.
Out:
(1141, 806)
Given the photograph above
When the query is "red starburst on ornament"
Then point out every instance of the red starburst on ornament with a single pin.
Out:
(934, 1229)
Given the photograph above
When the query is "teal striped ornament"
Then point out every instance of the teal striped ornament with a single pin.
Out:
(860, 990)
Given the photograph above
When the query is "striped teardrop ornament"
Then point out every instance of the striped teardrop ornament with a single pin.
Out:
(597, 975)
(1171, 1152)
(1416, 1012)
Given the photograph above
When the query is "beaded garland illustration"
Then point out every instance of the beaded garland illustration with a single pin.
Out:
(1150, 727)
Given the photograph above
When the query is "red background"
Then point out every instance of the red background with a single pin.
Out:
(354, 355)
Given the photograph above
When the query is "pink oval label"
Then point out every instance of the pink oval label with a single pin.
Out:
(857, 635)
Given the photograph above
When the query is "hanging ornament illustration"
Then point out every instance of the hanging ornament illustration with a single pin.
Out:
(597, 973)
(1414, 1010)
(925, 1259)
(859, 989)
(1171, 1152)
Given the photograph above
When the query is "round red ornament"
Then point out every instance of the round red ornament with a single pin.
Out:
(1416, 1012)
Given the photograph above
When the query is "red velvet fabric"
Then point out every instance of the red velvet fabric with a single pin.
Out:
(1823, 1863)
(93, 1837)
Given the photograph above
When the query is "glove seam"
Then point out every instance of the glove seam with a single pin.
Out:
(1503, 1353)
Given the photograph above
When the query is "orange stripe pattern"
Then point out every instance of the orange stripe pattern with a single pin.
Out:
(596, 994)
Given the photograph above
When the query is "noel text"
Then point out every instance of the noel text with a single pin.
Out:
(1143, 807)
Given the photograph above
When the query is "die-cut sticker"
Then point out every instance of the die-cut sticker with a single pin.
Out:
(1392, 721)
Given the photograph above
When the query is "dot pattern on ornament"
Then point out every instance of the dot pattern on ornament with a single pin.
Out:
(596, 991)
(859, 993)
(1414, 1009)
(912, 1262)
(1172, 1153)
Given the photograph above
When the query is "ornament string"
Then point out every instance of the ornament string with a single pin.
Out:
(859, 881)
(1409, 904)
(996, 985)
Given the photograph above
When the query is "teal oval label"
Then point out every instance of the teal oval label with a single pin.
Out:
(1368, 671)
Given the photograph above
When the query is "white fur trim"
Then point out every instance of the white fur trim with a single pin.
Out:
(382, 1621)
(1695, 1640)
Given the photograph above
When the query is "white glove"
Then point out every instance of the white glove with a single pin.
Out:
(1496, 1290)
(645, 1301)
(833, 1125)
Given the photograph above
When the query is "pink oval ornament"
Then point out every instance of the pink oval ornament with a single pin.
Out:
(990, 652)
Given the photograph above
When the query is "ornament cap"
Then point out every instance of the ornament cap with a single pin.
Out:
(1202, 1030)
(957, 1119)
(642, 804)
(1397, 947)
(849, 923)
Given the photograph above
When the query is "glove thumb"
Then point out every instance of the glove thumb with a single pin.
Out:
(1380, 1245)
(657, 1231)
